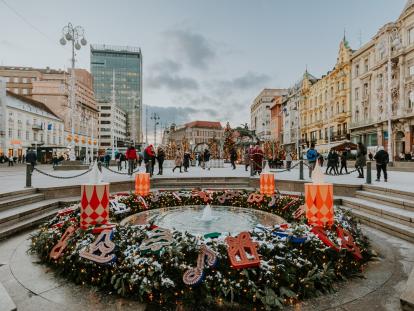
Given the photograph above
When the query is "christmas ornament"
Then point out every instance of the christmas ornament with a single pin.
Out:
(194, 276)
(319, 204)
(175, 194)
(155, 197)
(142, 184)
(242, 251)
(99, 251)
(157, 239)
(58, 249)
(94, 204)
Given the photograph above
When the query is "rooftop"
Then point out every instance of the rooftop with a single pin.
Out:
(205, 124)
(115, 48)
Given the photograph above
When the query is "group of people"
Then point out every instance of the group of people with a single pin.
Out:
(381, 158)
(149, 156)
(183, 159)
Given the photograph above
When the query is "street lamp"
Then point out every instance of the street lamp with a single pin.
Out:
(155, 117)
(75, 35)
(393, 42)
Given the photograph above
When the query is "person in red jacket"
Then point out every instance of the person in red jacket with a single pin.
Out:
(131, 156)
(149, 159)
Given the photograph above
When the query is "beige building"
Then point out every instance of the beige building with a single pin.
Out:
(196, 133)
(52, 87)
(325, 108)
(383, 77)
(260, 115)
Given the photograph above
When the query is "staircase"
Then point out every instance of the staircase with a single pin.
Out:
(25, 209)
(388, 210)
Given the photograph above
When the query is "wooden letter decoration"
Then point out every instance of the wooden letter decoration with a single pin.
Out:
(99, 251)
(118, 208)
(194, 276)
(242, 251)
(157, 239)
(58, 249)
(254, 197)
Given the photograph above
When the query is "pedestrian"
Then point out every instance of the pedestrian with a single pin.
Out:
(118, 161)
(122, 160)
(330, 159)
(233, 157)
(381, 158)
(31, 158)
(246, 159)
(131, 156)
(257, 159)
(311, 156)
(55, 160)
(344, 158)
(320, 160)
(288, 160)
(186, 161)
(206, 157)
(11, 161)
(361, 159)
(149, 159)
(178, 160)
(160, 159)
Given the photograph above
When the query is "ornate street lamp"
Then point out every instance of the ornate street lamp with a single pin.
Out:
(76, 36)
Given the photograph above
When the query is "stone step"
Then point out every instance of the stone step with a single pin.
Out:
(18, 193)
(391, 227)
(384, 198)
(7, 230)
(404, 217)
(15, 201)
(389, 192)
(19, 212)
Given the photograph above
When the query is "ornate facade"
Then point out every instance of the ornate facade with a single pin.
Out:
(325, 109)
(383, 77)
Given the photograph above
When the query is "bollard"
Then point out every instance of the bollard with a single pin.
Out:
(28, 175)
(369, 178)
(301, 170)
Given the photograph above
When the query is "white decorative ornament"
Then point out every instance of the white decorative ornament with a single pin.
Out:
(117, 207)
(99, 251)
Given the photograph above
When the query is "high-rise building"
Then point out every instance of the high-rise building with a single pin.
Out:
(120, 68)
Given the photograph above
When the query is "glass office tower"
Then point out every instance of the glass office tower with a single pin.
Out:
(125, 64)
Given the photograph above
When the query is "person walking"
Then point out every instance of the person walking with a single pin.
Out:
(311, 156)
(118, 161)
(11, 161)
(246, 159)
(288, 160)
(31, 158)
(186, 161)
(233, 157)
(361, 159)
(149, 159)
(123, 161)
(381, 158)
(257, 159)
(160, 159)
(178, 160)
(344, 158)
(330, 164)
(55, 160)
(206, 157)
(131, 156)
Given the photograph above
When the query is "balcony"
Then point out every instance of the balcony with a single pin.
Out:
(37, 127)
(362, 123)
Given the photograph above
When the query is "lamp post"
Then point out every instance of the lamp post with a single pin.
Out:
(155, 117)
(75, 35)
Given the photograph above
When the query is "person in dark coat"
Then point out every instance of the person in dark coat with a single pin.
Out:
(206, 158)
(330, 164)
(381, 158)
(257, 159)
(186, 161)
(361, 160)
(31, 158)
(344, 158)
(160, 159)
(233, 157)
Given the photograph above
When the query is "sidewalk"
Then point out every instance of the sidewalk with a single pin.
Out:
(13, 178)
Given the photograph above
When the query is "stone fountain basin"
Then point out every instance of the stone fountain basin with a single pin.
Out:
(188, 218)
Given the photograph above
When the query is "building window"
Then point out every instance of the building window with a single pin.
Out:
(356, 70)
(365, 89)
(10, 132)
(411, 99)
(357, 93)
(27, 135)
(19, 133)
(366, 65)
(320, 134)
(411, 70)
(411, 35)
(345, 126)
(338, 129)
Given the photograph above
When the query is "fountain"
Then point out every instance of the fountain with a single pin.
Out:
(201, 220)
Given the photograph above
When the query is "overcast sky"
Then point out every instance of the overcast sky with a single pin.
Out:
(202, 59)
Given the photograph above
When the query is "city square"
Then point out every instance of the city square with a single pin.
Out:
(161, 171)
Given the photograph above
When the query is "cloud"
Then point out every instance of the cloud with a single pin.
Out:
(248, 80)
(9, 44)
(166, 74)
(192, 48)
